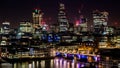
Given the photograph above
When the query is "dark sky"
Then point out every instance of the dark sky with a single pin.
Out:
(15, 11)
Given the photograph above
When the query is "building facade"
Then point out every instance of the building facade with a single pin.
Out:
(5, 27)
(100, 21)
(37, 18)
(62, 19)
(26, 27)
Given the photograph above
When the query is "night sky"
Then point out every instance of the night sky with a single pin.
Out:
(16, 11)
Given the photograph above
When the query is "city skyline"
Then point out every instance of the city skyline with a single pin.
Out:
(17, 11)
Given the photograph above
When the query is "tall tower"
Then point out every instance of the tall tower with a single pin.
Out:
(81, 23)
(62, 19)
(37, 18)
(100, 21)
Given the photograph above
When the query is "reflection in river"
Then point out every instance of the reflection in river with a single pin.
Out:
(53, 63)
(61, 63)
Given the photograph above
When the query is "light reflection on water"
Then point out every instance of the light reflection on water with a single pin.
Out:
(53, 63)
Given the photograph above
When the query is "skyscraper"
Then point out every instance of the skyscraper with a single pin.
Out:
(37, 18)
(81, 23)
(62, 19)
(100, 21)
(6, 27)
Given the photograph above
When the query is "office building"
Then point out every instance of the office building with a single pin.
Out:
(37, 18)
(100, 21)
(62, 19)
(26, 27)
(5, 27)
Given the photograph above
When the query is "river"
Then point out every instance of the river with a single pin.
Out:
(52, 63)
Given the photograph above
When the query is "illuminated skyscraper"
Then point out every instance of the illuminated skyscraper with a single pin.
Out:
(100, 21)
(37, 18)
(81, 23)
(62, 19)
(6, 27)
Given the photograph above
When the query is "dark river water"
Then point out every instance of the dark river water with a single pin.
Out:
(52, 63)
